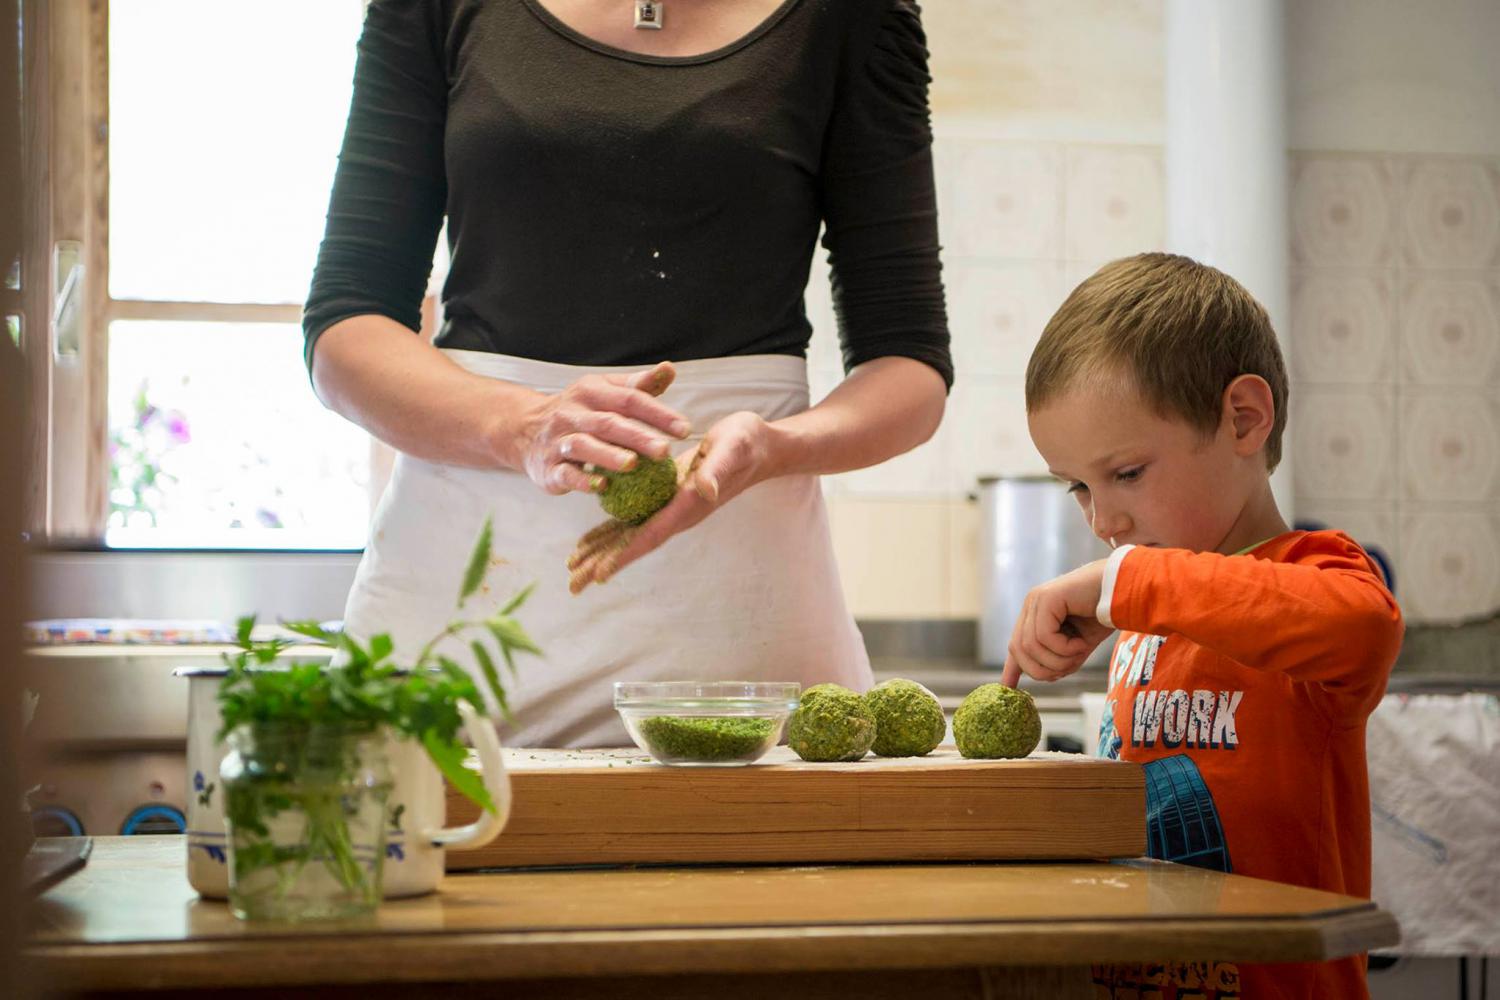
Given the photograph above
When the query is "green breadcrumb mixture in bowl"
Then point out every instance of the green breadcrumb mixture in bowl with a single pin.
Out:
(705, 723)
(706, 738)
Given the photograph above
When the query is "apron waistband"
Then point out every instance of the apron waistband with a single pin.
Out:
(771, 371)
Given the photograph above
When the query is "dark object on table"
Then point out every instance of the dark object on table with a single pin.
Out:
(52, 859)
(1059, 743)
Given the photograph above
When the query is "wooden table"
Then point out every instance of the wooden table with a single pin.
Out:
(129, 921)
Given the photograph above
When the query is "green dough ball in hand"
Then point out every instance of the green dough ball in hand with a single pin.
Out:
(997, 721)
(831, 723)
(908, 719)
(634, 496)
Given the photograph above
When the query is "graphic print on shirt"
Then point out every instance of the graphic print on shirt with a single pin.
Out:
(1135, 659)
(1198, 719)
(1194, 720)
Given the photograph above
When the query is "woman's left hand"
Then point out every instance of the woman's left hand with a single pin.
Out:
(733, 456)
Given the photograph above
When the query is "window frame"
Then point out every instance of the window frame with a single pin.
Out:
(66, 164)
(30, 302)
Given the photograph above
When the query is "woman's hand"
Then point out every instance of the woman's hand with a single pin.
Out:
(733, 456)
(604, 420)
(1058, 627)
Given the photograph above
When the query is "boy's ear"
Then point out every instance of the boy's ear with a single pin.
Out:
(1250, 410)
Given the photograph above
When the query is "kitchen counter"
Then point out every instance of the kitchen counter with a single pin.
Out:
(129, 921)
(126, 697)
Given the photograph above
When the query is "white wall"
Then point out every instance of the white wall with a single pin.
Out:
(1395, 76)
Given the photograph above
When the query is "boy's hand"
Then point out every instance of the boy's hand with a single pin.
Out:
(1057, 629)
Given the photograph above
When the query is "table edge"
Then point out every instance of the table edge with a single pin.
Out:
(439, 956)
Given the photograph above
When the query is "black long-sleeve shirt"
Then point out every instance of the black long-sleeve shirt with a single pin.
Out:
(611, 208)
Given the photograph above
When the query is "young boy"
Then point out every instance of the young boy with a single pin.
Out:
(1250, 656)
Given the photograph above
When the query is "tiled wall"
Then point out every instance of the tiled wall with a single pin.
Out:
(1049, 117)
(1396, 360)
(1395, 357)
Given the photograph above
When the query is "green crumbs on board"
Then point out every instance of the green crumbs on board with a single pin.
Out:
(706, 738)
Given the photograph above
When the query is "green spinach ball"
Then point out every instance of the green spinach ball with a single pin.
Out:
(997, 721)
(908, 719)
(634, 496)
(831, 723)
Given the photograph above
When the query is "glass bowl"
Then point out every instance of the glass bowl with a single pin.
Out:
(705, 723)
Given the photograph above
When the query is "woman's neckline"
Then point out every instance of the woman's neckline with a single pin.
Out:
(552, 21)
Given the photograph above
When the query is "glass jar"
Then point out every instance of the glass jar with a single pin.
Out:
(305, 809)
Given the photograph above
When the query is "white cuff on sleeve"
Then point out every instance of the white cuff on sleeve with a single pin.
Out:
(1107, 588)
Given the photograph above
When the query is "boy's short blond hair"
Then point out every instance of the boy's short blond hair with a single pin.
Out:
(1181, 329)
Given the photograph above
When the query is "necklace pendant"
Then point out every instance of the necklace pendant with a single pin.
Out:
(648, 14)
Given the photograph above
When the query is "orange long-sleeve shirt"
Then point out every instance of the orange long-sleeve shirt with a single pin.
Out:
(1243, 683)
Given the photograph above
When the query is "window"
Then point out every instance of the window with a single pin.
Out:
(225, 123)
(189, 147)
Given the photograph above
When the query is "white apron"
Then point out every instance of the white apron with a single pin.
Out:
(750, 593)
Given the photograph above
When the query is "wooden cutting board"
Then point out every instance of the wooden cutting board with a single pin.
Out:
(614, 807)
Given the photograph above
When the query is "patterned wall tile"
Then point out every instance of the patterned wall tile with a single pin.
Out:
(1114, 202)
(1006, 200)
(997, 312)
(1450, 328)
(1342, 211)
(988, 420)
(1449, 568)
(1409, 243)
(1343, 326)
(1450, 445)
(1450, 211)
(1342, 442)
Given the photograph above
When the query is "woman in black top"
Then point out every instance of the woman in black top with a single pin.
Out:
(627, 206)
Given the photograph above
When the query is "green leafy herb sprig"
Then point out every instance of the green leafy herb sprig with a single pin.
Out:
(368, 690)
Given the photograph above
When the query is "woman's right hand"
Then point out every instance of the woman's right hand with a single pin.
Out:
(603, 420)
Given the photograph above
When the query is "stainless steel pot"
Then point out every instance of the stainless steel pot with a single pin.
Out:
(1031, 530)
